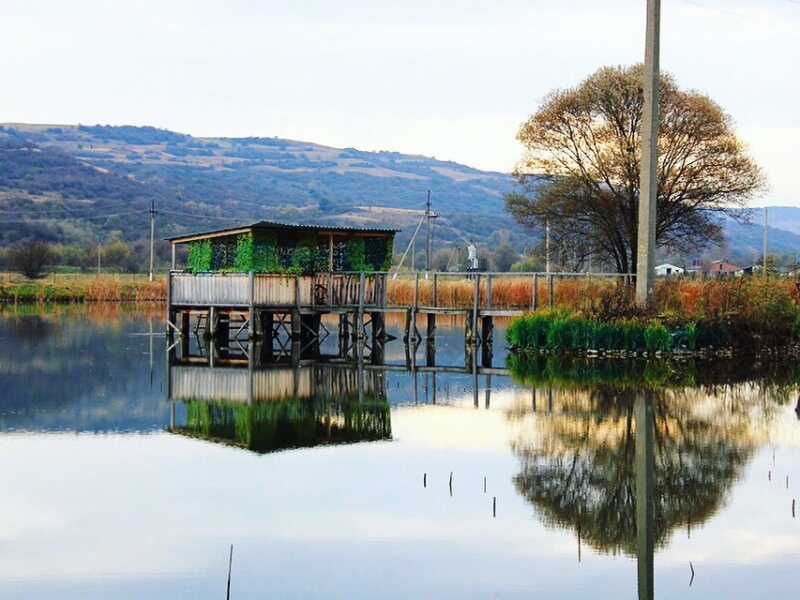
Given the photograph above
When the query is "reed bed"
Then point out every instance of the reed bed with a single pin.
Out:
(84, 288)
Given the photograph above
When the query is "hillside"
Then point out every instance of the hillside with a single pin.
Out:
(745, 242)
(104, 178)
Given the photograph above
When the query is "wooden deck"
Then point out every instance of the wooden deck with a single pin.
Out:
(248, 290)
(267, 305)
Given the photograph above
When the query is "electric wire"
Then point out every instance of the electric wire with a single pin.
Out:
(450, 225)
(741, 16)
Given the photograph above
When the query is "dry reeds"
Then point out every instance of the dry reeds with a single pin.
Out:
(514, 292)
(86, 288)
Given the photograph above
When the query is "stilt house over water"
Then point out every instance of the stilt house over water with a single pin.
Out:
(268, 275)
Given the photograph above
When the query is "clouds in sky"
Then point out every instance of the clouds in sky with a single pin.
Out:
(442, 78)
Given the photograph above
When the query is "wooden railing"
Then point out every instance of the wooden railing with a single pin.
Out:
(468, 291)
(325, 290)
(512, 292)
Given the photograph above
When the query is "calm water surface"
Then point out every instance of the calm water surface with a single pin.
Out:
(128, 477)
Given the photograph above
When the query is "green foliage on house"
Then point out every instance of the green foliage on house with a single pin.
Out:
(290, 249)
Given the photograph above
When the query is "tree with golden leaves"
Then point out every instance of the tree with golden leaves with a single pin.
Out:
(579, 173)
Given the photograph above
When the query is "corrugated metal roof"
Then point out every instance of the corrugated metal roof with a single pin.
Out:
(276, 225)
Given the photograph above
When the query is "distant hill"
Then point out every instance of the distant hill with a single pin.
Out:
(104, 177)
(78, 184)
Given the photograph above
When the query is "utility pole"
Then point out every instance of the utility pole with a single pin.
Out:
(547, 246)
(152, 234)
(648, 175)
(766, 220)
(428, 233)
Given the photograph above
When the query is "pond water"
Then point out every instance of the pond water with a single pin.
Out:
(128, 475)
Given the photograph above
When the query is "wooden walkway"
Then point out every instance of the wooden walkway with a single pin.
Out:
(269, 307)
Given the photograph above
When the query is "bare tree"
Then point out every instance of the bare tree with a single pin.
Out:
(580, 169)
(30, 258)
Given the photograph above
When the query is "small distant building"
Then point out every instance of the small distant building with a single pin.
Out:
(668, 269)
(721, 268)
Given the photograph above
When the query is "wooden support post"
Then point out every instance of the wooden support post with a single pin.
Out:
(170, 314)
(267, 320)
(211, 325)
(475, 310)
(430, 353)
(378, 353)
(295, 325)
(309, 335)
(414, 309)
(362, 286)
(487, 330)
(535, 293)
(550, 290)
(222, 333)
(344, 334)
(185, 328)
(378, 327)
(431, 326)
(252, 329)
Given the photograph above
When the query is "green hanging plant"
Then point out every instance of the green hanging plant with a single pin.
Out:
(199, 256)
(244, 252)
(355, 259)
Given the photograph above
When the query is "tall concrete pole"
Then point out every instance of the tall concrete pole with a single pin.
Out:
(152, 234)
(648, 175)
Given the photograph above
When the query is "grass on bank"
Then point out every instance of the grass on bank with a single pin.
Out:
(83, 288)
(753, 313)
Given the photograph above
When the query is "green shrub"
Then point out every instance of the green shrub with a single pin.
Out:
(656, 338)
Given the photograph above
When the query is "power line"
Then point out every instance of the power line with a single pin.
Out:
(741, 16)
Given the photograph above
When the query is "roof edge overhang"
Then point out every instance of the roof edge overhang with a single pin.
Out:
(270, 225)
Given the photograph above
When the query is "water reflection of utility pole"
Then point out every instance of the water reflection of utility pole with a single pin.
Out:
(645, 434)
(488, 389)
(150, 319)
(475, 379)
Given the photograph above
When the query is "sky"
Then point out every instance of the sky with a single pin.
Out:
(451, 79)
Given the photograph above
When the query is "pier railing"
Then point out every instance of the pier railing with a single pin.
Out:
(326, 290)
(496, 292)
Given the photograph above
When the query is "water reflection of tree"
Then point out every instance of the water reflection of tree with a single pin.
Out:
(580, 472)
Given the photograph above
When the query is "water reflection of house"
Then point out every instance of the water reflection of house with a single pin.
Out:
(269, 409)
